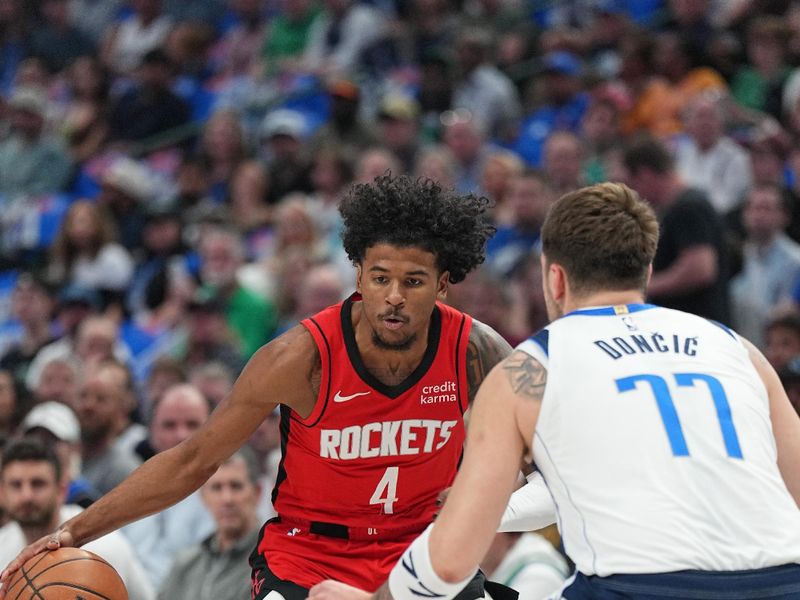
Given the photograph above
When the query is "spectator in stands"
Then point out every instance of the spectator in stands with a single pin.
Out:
(223, 145)
(398, 128)
(213, 380)
(74, 304)
(13, 404)
(165, 373)
(282, 135)
(344, 130)
(151, 107)
(564, 103)
(14, 41)
(782, 335)
(339, 37)
(601, 138)
(33, 492)
(374, 162)
(288, 35)
(157, 539)
(465, 137)
(237, 52)
(250, 317)
(437, 163)
(104, 403)
(500, 167)
(759, 84)
(126, 189)
(56, 380)
(249, 210)
(771, 262)
(86, 252)
(482, 89)
(85, 124)
(94, 17)
(218, 566)
(56, 40)
(320, 287)
(56, 425)
(562, 162)
(709, 160)
(690, 267)
(32, 304)
(127, 43)
(32, 163)
(529, 196)
(208, 336)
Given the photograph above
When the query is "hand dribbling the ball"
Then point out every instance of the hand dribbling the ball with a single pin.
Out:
(59, 538)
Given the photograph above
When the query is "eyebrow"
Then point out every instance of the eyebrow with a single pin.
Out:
(417, 273)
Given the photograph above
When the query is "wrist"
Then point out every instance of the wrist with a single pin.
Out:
(414, 576)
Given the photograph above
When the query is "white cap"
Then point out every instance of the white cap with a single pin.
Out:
(55, 417)
(131, 178)
(284, 121)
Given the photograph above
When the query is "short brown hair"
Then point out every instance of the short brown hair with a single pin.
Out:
(604, 236)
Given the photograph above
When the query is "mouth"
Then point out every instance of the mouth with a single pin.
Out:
(394, 322)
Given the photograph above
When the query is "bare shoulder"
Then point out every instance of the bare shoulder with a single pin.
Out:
(485, 349)
(286, 370)
(526, 375)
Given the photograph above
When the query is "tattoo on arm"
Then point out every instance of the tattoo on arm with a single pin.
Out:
(383, 593)
(485, 349)
(526, 375)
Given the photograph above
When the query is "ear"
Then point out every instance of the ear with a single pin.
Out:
(649, 276)
(558, 282)
(359, 272)
(442, 285)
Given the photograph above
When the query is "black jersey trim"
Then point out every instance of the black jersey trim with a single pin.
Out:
(330, 376)
(280, 477)
(390, 391)
(458, 363)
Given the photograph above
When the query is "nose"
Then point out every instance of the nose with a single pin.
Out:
(395, 295)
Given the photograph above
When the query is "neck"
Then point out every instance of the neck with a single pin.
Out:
(228, 539)
(92, 448)
(390, 366)
(604, 298)
(33, 533)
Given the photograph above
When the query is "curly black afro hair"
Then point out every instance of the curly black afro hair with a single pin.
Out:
(406, 212)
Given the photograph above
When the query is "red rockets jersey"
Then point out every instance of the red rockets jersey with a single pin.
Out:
(369, 462)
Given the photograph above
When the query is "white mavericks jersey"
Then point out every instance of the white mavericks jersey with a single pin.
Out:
(655, 440)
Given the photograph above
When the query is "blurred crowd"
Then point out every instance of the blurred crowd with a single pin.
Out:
(170, 172)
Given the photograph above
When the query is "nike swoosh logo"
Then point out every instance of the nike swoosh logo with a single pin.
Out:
(339, 398)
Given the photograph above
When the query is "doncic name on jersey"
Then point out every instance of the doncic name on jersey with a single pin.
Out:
(648, 343)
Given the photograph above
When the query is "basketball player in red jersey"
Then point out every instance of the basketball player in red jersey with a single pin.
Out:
(373, 392)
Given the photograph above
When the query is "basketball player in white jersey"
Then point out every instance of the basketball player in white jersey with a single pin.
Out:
(667, 441)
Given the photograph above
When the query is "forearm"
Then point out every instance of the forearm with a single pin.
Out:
(159, 483)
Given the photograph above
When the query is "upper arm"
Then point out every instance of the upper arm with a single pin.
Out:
(499, 432)
(485, 349)
(785, 422)
(284, 371)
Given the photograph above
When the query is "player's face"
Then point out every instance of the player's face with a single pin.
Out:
(399, 288)
(232, 498)
(30, 492)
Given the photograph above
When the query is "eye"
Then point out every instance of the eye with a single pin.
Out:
(413, 282)
(380, 279)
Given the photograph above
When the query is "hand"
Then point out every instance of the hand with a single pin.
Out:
(335, 590)
(54, 541)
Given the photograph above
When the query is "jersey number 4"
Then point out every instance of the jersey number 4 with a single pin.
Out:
(669, 416)
(386, 491)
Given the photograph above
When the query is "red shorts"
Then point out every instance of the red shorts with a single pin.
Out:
(305, 558)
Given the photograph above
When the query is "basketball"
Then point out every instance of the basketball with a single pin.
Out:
(66, 574)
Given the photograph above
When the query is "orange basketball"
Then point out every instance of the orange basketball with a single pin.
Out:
(66, 574)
